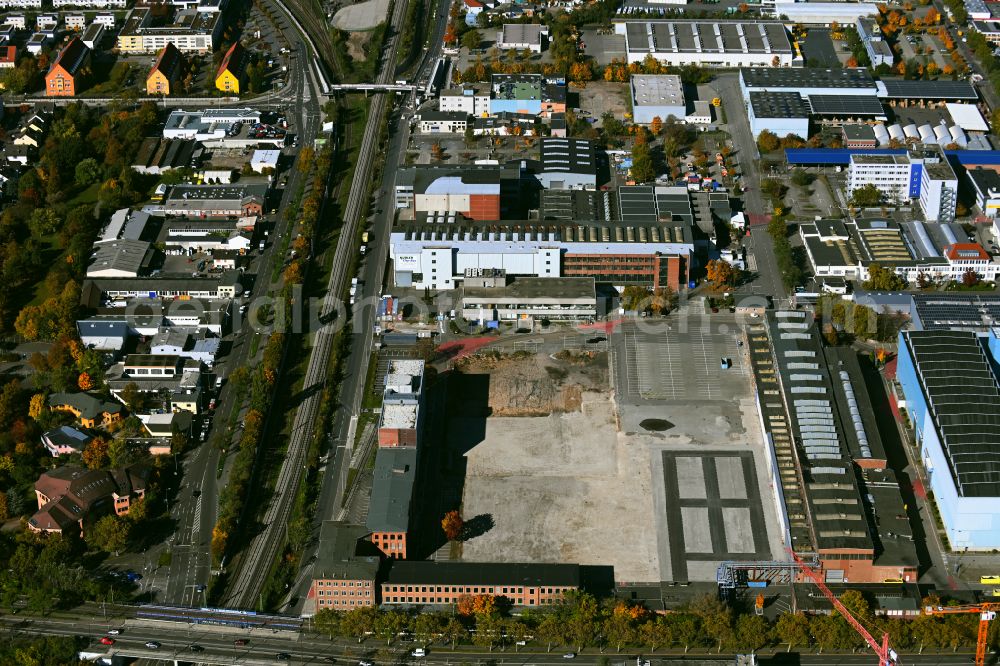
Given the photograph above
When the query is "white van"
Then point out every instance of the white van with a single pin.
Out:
(419, 652)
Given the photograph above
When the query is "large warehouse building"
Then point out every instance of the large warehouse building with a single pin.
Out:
(808, 82)
(652, 245)
(708, 43)
(952, 396)
(657, 96)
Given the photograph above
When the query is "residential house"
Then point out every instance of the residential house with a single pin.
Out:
(166, 73)
(232, 74)
(65, 76)
(90, 411)
(65, 440)
(67, 496)
(473, 8)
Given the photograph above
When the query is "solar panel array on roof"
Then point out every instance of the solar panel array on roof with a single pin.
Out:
(939, 89)
(963, 395)
(846, 105)
(975, 312)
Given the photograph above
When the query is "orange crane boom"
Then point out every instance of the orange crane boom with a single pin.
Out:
(886, 655)
(987, 613)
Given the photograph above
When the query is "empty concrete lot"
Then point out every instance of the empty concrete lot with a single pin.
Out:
(661, 474)
(699, 425)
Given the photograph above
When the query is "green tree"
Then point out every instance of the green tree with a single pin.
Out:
(110, 534)
(802, 178)
(751, 632)
(866, 196)
(655, 633)
(716, 618)
(133, 397)
(582, 623)
(618, 630)
(793, 630)
(327, 621)
(635, 298)
(390, 624)
(883, 278)
(642, 164)
(359, 622)
(87, 172)
(472, 39)
(454, 631)
(553, 630)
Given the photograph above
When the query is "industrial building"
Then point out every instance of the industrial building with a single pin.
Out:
(822, 13)
(517, 93)
(657, 96)
(523, 37)
(923, 174)
(402, 397)
(207, 124)
(901, 91)
(243, 200)
(838, 496)
(707, 43)
(808, 82)
(490, 295)
(391, 509)
(469, 100)
(650, 252)
(879, 51)
(938, 251)
(120, 258)
(951, 393)
(568, 164)
(781, 113)
(476, 192)
(986, 185)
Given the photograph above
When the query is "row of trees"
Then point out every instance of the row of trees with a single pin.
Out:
(261, 381)
(788, 260)
(581, 622)
(843, 320)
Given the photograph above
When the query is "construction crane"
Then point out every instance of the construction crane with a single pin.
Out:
(987, 613)
(886, 655)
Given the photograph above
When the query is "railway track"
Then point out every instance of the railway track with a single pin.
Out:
(255, 562)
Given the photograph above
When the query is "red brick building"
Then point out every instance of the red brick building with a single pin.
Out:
(437, 583)
(657, 270)
(344, 576)
(68, 496)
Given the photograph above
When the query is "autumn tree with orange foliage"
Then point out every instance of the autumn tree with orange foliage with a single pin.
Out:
(478, 605)
(85, 382)
(95, 455)
(450, 35)
(452, 524)
(720, 273)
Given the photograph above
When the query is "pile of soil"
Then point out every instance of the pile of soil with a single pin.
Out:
(526, 384)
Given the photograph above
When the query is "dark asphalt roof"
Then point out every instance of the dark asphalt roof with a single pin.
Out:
(954, 371)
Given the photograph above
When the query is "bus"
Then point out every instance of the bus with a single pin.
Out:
(989, 580)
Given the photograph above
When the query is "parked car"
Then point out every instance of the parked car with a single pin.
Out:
(153, 645)
(107, 641)
(114, 632)
(419, 652)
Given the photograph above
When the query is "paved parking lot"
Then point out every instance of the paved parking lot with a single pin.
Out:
(707, 458)
(674, 365)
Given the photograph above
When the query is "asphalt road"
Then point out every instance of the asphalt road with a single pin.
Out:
(218, 647)
(766, 281)
(190, 567)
